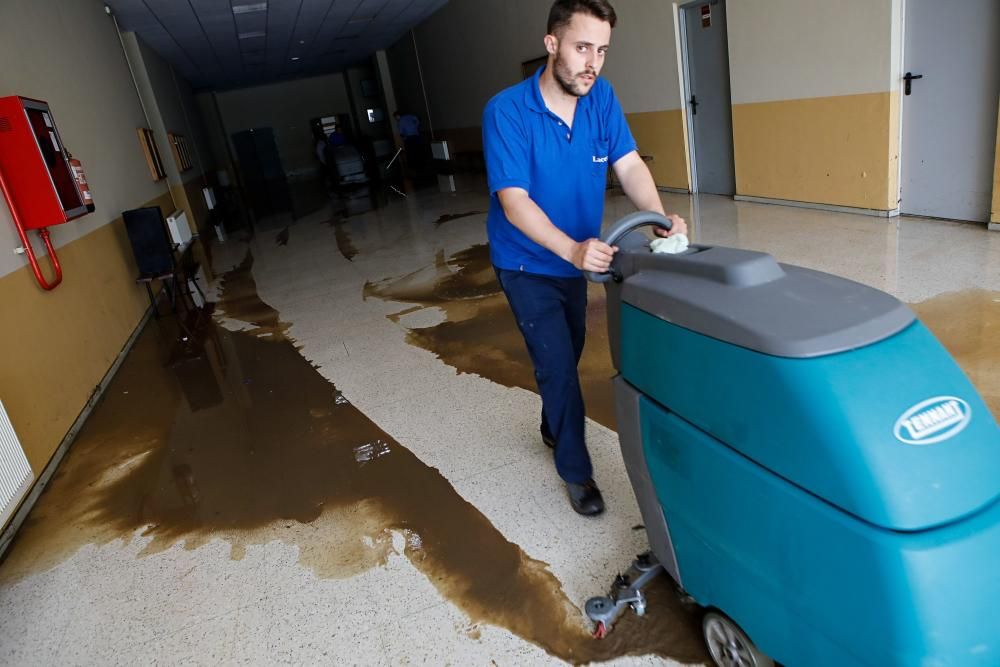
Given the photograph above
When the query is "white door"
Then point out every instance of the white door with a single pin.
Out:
(951, 59)
(706, 55)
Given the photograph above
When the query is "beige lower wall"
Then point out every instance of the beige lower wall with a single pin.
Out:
(842, 150)
(60, 344)
(660, 135)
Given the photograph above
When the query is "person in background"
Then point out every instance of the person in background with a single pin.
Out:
(320, 149)
(409, 125)
(319, 145)
(413, 140)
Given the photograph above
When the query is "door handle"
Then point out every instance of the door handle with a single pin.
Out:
(694, 105)
(909, 78)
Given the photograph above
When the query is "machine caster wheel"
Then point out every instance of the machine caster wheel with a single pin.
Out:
(599, 608)
(601, 611)
(626, 593)
(728, 645)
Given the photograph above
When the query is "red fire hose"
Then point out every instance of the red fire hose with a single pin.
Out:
(29, 251)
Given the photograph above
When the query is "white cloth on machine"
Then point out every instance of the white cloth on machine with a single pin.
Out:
(670, 245)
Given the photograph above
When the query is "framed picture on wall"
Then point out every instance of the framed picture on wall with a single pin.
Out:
(152, 154)
(182, 154)
(529, 67)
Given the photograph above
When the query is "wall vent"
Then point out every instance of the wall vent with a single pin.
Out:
(15, 473)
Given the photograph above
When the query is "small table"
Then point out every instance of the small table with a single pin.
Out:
(176, 281)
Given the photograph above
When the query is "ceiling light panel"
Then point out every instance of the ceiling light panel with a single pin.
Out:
(250, 8)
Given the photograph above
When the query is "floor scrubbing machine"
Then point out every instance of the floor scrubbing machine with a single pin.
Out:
(812, 467)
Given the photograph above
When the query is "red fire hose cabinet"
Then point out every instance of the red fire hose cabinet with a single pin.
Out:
(40, 185)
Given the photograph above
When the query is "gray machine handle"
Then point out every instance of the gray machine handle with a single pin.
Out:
(630, 222)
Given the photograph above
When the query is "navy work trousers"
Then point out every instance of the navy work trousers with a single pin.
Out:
(551, 313)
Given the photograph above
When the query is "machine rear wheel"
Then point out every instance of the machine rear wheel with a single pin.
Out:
(728, 645)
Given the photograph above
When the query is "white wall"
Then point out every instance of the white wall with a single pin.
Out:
(799, 49)
(171, 108)
(176, 104)
(470, 51)
(215, 133)
(68, 54)
(287, 107)
(779, 49)
(642, 61)
(406, 80)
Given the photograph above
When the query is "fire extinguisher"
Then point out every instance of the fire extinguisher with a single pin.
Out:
(81, 182)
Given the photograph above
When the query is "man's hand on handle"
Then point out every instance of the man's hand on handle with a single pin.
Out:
(679, 226)
(592, 255)
(596, 255)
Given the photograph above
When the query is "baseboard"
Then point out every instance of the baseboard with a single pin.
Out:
(994, 226)
(680, 191)
(876, 213)
(10, 530)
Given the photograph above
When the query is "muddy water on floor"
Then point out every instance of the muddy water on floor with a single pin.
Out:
(282, 237)
(449, 217)
(350, 205)
(968, 324)
(345, 244)
(480, 335)
(240, 438)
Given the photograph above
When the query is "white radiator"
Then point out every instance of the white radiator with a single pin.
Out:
(180, 232)
(15, 473)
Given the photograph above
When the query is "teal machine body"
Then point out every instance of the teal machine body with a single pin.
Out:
(808, 459)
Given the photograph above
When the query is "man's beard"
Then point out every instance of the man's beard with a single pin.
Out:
(567, 80)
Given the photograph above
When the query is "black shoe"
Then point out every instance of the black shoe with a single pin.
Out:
(585, 498)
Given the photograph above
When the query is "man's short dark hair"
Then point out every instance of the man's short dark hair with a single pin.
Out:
(563, 10)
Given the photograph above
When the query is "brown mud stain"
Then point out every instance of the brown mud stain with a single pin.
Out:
(349, 205)
(396, 317)
(284, 456)
(240, 301)
(968, 324)
(449, 217)
(480, 335)
(343, 235)
(282, 237)
(344, 242)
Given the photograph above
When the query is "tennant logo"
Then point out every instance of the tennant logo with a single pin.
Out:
(933, 420)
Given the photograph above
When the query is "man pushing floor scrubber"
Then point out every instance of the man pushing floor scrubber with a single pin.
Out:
(811, 465)
(548, 143)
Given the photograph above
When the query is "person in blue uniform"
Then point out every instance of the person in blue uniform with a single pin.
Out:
(548, 143)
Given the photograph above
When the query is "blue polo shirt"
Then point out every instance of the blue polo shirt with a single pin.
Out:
(563, 169)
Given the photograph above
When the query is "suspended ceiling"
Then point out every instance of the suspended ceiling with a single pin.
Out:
(217, 44)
